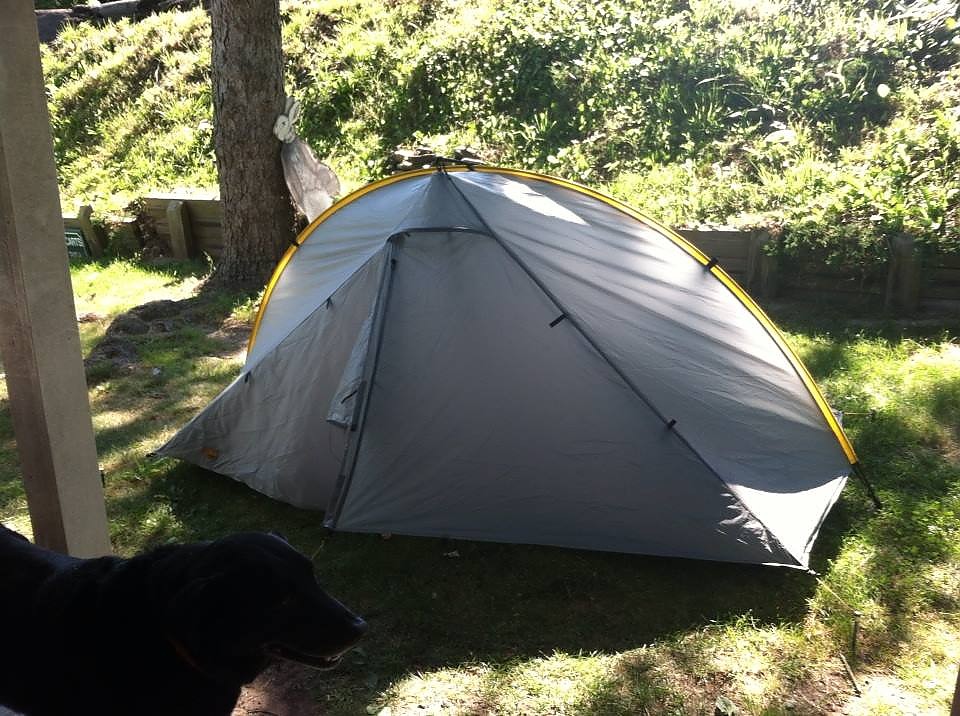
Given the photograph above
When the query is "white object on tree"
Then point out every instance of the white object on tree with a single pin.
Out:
(312, 183)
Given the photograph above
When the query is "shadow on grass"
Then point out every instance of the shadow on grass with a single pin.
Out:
(919, 525)
(493, 603)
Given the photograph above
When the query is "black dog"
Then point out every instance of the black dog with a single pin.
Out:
(176, 631)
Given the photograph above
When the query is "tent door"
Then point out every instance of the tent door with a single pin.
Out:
(360, 385)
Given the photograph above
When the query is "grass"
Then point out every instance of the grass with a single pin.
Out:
(514, 629)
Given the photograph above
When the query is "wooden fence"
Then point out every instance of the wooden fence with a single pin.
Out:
(190, 224)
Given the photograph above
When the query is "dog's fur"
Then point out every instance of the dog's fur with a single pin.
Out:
(175, 631)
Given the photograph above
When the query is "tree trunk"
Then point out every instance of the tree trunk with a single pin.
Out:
(248, 94)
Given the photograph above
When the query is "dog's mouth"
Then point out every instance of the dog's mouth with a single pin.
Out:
(322, 663)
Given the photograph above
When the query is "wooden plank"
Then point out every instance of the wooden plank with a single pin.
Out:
(205, 210)
(734, 265)
(207, 226)
(72, 222)
(155, 207)
(208, 237)
(187, 194)
(181, 234)
(944, 275)
(945, 261)
(209, 245)
(942, 292)
(38, 327)
(831, 284)
(941, 305)
(720, 244)
(92, 234)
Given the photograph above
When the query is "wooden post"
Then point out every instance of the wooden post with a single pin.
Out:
(38, 329)
(91, 234)
(905, 272)
(762, 268)
(181, 233)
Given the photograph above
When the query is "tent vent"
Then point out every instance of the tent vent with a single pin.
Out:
(557, 320)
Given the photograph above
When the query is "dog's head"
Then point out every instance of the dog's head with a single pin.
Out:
(234, 602)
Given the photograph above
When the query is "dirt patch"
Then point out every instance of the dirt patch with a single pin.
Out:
(825, 693)
(117, 351)
(281, 690)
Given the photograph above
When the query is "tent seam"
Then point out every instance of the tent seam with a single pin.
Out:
(669, 425)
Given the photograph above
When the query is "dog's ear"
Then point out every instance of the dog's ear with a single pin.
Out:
(199, 599)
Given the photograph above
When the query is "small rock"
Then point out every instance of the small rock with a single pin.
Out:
(112, 353)
(453, 555)
(128, 324)
(725, 707)
(153, 310)
(165, 325)
(89, 318)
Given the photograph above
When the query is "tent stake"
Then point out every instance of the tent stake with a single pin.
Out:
(861, 475)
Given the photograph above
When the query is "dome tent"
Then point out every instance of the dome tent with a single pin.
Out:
(493, 354)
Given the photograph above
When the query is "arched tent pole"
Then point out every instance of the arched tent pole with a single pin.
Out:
(709, 265)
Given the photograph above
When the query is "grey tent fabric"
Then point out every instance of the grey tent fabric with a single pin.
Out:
(498, 355)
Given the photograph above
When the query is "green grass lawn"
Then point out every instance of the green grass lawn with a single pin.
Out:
(513, 629)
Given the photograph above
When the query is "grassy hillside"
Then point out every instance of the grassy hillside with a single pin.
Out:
(839, 121)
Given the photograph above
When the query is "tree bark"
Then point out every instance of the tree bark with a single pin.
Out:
(248, 94)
